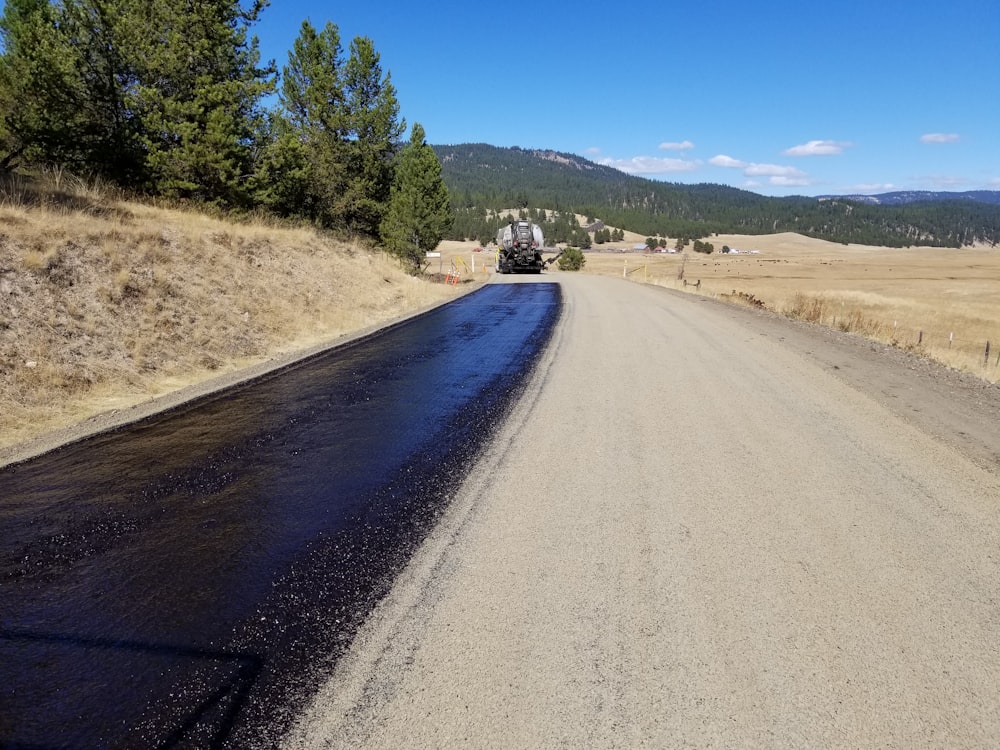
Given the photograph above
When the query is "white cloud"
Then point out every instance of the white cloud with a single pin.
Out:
(682, 146)
(593, 150)
(941, 182)
(939, 138)
(818, 148)
(785, 181)
(727, 161)
(777, 175)
(651, 165)
(873, 187)
(773, 170)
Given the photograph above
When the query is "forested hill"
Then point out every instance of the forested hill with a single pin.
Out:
(481, 177)
(900, 197)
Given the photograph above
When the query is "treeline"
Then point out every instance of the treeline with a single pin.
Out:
(562, 227)
(171, 99)
(482, 224)
(482, 177)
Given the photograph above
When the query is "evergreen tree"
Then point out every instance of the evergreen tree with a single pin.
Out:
(110, 131)
(150, 93)
(312, 91)
(282, 178)
(572, 259)
(198, 93)
(10, 148)
(419, 211)
(374, 129)
(313, 95)
(347, 117)
(50, 113)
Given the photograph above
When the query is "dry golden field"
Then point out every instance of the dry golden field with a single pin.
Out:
(943, 303)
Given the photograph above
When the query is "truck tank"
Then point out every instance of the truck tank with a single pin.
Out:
(519, 248)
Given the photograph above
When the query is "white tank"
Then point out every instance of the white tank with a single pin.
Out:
(521, 232)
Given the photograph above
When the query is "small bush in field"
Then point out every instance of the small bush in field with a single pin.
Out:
(572, 259)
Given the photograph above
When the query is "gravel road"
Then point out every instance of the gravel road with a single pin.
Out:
(702, 527)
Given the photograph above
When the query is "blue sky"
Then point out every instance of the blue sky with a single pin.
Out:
(779, 97)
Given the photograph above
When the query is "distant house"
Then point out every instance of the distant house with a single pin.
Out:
(640, 246)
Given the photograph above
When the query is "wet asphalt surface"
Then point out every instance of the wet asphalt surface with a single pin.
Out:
(189, 580)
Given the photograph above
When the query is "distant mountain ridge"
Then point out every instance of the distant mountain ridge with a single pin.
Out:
(481, 177)
(902, 197)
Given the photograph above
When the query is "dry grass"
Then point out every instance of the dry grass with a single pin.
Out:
(939, 302)
(105, 303)
(942, 303)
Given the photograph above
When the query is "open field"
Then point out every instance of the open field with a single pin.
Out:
(940, 302)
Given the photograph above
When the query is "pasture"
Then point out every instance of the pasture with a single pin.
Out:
(940, 302)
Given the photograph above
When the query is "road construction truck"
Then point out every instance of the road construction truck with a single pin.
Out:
(519, 248)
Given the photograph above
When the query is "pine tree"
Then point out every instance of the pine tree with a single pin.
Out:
(198, 92)
(111, 132)
(374, 129)
(572, 259)
(281, 180)
(153, 94)
(49, 115)
(312, 94)
(419, 211)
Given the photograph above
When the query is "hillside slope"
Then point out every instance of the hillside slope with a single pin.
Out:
(106, 304)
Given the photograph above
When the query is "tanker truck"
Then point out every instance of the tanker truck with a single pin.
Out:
(519, 248)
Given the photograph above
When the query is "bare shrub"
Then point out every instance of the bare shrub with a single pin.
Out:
(809, 309)
(855, 321)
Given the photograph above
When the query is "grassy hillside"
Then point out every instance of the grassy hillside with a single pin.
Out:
(106, 303)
